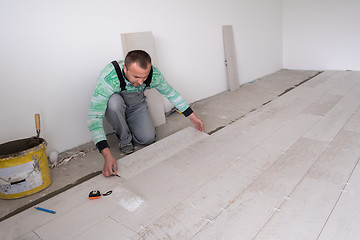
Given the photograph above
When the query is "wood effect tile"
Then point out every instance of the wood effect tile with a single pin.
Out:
(107, 229)
(166, 185)
(251, 138)
(69, 220)
(83, 217)
(250, 209)
(336, 76)
(279, 142)
(230, 57)
(337, 163)
(320, 78)
(353, 123)
(149, 156)
(330, 125)
(323, 105)
(180, 222)
(183, 174)
(344, 220)
(29, 236)
(304, 214)
(295, 102)
(261, 129)
(344, 81)
(32, 219)
(310, 204)
(145, 41)
(180, 175)
(140, 40)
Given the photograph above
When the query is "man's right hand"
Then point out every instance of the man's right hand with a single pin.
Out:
(110, 165)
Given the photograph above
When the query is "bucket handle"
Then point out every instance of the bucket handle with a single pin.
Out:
(34, 159)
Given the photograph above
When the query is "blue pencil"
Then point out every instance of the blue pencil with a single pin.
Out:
(45, 210)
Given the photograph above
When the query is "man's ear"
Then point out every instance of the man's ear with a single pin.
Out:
(124, 68)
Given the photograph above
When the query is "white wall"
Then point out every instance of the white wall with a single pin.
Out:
(321, 34)
(53, 51)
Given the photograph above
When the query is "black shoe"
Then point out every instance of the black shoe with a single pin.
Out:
(127, 149)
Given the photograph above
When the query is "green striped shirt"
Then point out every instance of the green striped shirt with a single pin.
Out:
(108, 84)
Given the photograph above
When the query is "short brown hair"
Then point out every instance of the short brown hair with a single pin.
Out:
(138, 56)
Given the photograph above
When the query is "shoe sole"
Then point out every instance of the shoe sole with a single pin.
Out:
(127, 152)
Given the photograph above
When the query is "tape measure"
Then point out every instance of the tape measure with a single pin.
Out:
(96, 194)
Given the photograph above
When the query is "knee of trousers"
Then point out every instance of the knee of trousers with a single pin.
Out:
(146, 138)
(116, 103)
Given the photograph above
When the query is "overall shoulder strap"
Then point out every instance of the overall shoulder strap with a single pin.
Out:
(148, 79)
(119, 74)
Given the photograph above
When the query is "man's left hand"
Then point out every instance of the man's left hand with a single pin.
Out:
(199, 125)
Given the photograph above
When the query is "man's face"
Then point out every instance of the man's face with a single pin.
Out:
(135, 74)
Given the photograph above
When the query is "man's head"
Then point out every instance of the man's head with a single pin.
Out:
(137, 67)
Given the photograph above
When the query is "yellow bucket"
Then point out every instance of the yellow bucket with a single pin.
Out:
(24, 168)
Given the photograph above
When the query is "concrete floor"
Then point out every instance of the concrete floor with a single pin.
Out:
(217, 112)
